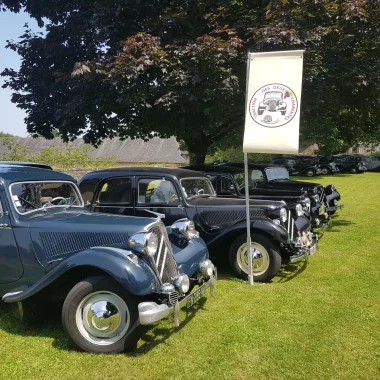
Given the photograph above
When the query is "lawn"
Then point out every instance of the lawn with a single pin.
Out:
(319, 321)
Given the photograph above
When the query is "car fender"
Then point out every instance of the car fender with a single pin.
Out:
(333, 196)
(128, 269)
(266, 226)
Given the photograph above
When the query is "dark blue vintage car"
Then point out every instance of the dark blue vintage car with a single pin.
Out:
(112, 272)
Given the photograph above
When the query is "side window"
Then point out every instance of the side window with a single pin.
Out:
(257, 175)
(115, 191)
(157, 191)
(226, 186)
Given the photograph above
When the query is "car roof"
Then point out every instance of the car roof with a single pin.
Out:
(21, 163)
(15, 173)
(136, 170)
(215, 168)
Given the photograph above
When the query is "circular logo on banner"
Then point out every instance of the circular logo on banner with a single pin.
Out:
(273, 105)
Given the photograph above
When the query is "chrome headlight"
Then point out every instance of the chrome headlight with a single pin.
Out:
(283, 215)
(182, 283)
(315, 190)
(307, 203)
(332, 187)
(206, 268)
(299, 209)
(144, 242)
(185, 227)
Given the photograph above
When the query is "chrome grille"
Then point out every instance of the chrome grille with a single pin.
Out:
(272, 105)
(164, 259)
(291, 227)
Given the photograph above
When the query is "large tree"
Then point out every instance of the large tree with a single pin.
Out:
(132, 68)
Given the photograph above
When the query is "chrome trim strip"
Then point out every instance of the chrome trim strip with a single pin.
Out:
(163, 261)
(160, 250)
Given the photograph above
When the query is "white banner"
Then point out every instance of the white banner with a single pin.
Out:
(274, 83)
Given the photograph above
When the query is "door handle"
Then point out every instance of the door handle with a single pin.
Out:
(4, 225)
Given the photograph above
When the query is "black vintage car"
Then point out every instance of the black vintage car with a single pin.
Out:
(325, 164)
(179, 193)
(267, 176)
(349, 164)
(229, 182)
(296, 166)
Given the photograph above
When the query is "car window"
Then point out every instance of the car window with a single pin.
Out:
(117, 190)
(257, 175)
(157, 191)
(226, 186)
(32, 196)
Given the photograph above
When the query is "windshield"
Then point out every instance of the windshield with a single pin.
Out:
(31, 196)
(277, 95)
(276, 173)
(193, 187)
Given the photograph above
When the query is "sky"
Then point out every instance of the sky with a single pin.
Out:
(11, 27)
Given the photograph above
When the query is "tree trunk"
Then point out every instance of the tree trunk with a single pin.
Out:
(197, 151)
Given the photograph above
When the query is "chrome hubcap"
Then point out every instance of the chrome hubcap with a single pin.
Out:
(102, 318)
(259, 256)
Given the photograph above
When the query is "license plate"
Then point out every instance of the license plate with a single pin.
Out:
(312, 249)
(196, 296)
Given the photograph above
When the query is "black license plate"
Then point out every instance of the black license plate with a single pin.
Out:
(196, 296)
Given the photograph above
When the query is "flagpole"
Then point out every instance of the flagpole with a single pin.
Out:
(248, 216)
(246, 178)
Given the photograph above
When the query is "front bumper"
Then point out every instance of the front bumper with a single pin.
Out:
(307, 247)
(151, 312)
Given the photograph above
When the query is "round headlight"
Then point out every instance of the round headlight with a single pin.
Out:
(182, 283)
(315, 190)
(283, 215)
(151, 243)
(307, 203)
(185, 227)
(206, 268)
(299, 209)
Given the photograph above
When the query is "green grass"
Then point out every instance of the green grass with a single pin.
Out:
(315, 322)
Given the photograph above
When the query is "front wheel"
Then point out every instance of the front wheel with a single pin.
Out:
(310, 173)
(100, 316)
(353, 170)
(325, 171)
(266, 258)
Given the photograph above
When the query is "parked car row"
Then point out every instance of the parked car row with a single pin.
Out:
(130, 246)
(320, 165)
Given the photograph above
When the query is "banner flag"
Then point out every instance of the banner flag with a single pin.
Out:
(273, 102)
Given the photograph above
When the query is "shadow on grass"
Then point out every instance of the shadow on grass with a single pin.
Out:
(49, 325)
(289, 271)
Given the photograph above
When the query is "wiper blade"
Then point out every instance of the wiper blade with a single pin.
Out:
(36, 207)
(199, 196)
(72, 203)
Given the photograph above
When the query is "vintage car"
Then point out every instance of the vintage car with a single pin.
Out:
(267, 176)
(296, 166)
(176, 193)
(326, 165)
(111, 273)
(229, 182)
(273, 102)
(347, 163)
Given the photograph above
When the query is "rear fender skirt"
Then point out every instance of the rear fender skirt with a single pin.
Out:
(131, 272)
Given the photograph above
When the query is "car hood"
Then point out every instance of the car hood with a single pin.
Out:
(236, 203)
(58, 235)
(294, 185)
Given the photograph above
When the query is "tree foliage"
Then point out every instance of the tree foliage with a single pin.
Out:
(134, 69)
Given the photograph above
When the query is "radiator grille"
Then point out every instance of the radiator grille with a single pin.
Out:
(272, 105)
(164, 258)
(217, 218)
(291, 227)
(64, 243)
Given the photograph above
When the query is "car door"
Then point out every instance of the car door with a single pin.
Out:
(158, 195)
(11, 268)
(114, 196)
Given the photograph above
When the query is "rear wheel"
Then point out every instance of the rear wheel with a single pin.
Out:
(99, 316)
(353, 170)
(266, 258)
